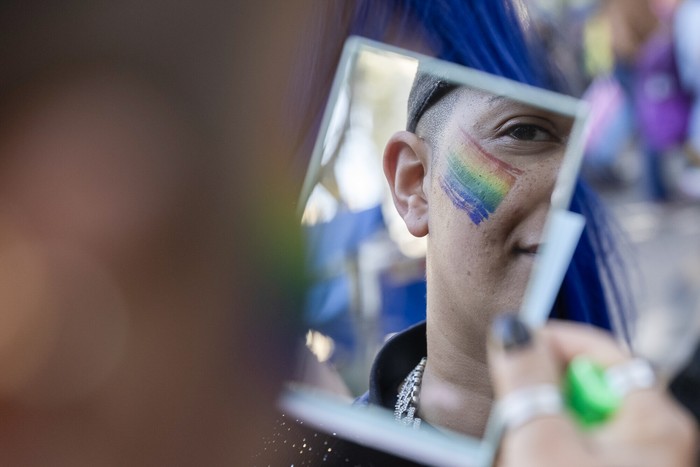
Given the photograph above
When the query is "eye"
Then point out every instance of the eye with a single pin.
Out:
(529, 132)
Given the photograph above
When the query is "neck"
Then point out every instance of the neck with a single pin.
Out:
(456, 391)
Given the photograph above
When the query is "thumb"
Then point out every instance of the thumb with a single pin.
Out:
(518, 357)
(521, 362)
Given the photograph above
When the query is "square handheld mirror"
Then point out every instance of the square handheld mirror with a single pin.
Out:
(434, 194)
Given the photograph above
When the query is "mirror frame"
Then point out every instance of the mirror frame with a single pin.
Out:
(375, 429)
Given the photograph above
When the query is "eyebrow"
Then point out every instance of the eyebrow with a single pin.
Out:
(526, 105)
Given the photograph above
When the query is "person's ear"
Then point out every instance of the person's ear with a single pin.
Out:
(406, 159)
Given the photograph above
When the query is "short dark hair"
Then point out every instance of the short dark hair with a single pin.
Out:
(426, 91)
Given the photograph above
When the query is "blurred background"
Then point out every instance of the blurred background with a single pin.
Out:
(636, 63)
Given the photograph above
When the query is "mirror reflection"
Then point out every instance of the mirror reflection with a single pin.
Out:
(424, 209)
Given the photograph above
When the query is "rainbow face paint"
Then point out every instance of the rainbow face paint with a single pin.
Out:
(477, 181)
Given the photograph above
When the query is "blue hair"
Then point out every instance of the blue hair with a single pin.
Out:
(482, 34)
(489, 35)
(597, 267)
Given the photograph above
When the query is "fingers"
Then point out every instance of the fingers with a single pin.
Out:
(520, 359)
(648, 429)
(568, 340)
(517, 357)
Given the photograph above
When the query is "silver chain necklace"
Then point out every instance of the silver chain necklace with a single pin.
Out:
(409, 394)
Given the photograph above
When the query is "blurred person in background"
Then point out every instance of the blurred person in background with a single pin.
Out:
(149, 257)
(687, 51)
(640, 106)
(613, 35)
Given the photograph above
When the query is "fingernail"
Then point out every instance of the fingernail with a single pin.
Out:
(510, 333)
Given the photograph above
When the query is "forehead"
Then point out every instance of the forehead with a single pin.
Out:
(476, 104)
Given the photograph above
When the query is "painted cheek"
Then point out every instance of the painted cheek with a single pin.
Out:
(476, 181)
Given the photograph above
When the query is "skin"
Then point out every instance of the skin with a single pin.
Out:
(473, 271)
(649, 429)
(92, 167)
(141, 211)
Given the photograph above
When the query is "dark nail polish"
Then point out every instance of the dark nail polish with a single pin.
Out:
(510, 332)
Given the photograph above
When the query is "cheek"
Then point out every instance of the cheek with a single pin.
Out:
(523, 213)
(534, 187)
(458, 241)
(476, 182)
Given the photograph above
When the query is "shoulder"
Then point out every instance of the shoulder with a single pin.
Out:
(399, 355)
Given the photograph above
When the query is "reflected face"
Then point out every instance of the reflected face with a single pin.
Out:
(491, 176)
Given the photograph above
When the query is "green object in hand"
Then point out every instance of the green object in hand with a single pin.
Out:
(588, 394)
